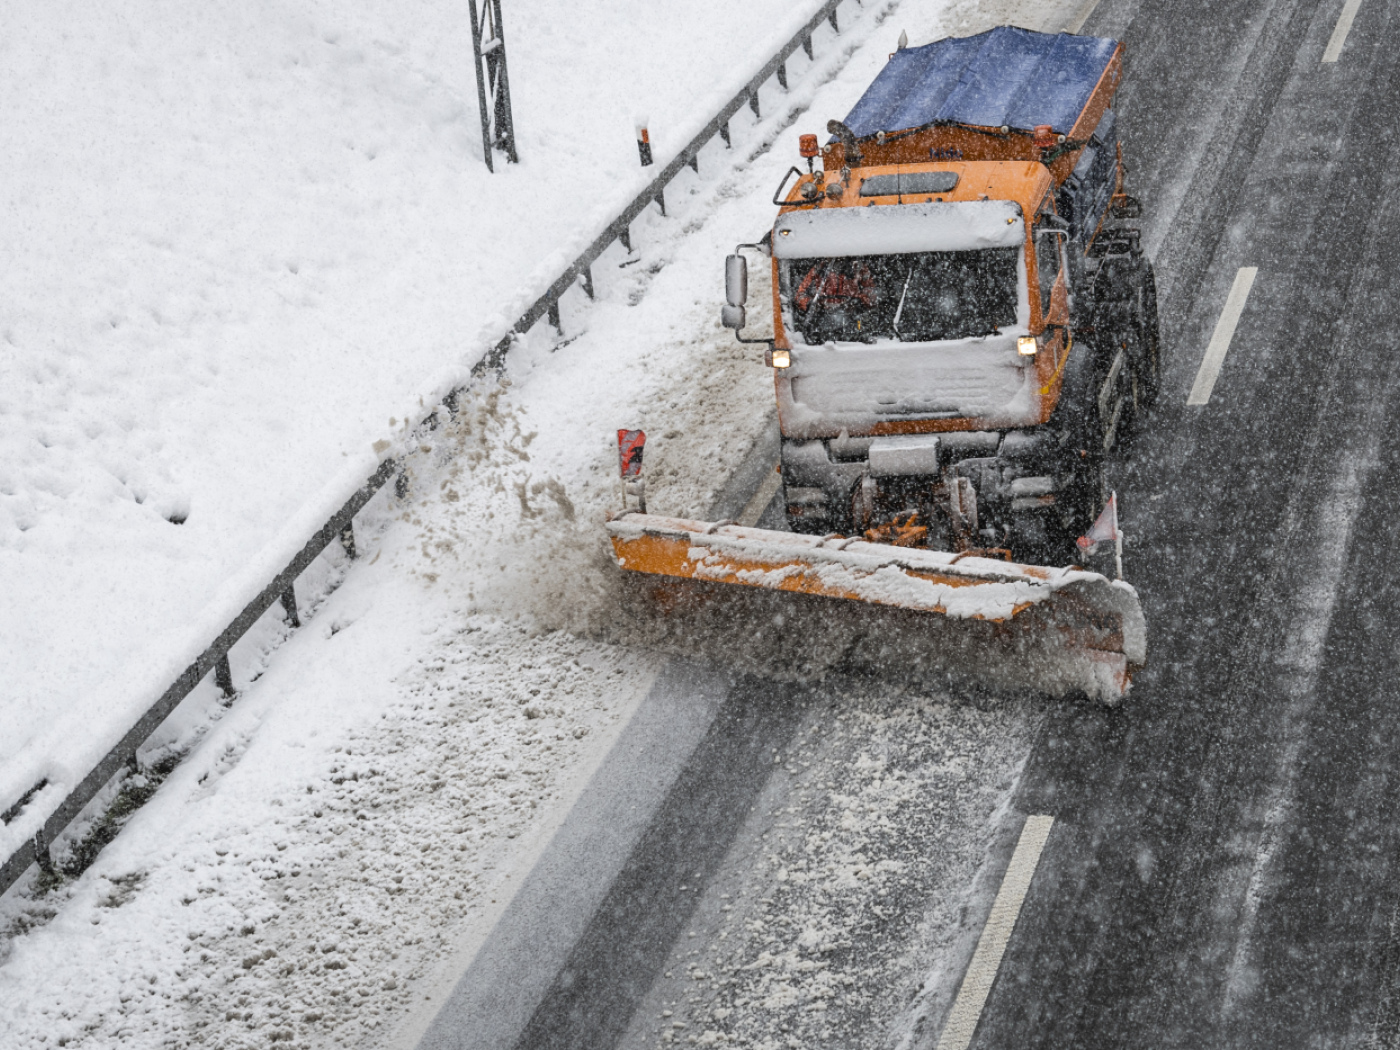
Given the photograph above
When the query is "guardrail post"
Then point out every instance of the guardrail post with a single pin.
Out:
(661, 200)
(347, 534)
(588, 282)
(401, 478)
(831, 17)
(625, 236)
(42, 857)
(289, 605)
(807, 47)
(223, 676)
(694, 163)
(753, 105)
(782, 77)
(724, 134)
(554, 317)
(493, 360)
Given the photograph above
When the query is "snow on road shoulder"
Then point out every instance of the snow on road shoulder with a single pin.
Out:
(303, 872)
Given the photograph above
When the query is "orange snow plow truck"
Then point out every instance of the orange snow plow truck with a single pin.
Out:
(963, 329)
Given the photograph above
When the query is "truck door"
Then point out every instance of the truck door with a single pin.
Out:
(1050, 269)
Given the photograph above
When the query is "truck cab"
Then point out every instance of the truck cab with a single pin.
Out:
(961, 333)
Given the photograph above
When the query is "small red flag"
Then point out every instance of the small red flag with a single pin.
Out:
(629, 452)
(1105, 528)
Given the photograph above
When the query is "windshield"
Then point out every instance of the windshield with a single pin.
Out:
(918, 297)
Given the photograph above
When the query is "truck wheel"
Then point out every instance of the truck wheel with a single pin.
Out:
(1036, 539)
(1077, 416)
(1048, 537)
(805, 510)
(1149, 330)
(1132, 363)
(1142, 344)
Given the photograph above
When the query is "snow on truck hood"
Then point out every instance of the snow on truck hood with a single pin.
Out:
(855, 386)
(893, 229)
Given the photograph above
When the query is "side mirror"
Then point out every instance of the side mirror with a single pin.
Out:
(736, 291)
(736, 280)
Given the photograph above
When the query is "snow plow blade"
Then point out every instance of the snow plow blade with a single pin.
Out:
(866, 606)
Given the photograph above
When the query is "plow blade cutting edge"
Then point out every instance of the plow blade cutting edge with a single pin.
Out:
(1058, 630)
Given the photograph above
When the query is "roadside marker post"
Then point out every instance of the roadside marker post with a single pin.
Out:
(630, 446)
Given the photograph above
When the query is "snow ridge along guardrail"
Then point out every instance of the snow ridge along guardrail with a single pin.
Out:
(27, 810)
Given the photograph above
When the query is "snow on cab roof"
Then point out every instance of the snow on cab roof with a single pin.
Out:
(1005, 76)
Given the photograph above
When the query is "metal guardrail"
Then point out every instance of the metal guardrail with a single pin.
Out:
(282, 590)
(340, 526)
(620, 228)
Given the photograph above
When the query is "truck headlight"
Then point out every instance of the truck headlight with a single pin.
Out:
(1026, 346)
(780, 358)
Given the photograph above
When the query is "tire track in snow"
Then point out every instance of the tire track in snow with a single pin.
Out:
(1300, 663)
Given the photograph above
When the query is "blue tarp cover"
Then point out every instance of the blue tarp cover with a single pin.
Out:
(1004, 76)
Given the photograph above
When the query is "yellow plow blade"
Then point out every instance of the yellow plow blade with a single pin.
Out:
(1057, 630)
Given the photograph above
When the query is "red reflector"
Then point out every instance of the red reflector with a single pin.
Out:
(629, 452)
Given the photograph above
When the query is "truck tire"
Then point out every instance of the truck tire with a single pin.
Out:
(811, 524)
(1081, 433)
(1141, 340)
(1081, 426)
(1081, 504)
(1149, 329)
(1128, 342)
(1047, 536)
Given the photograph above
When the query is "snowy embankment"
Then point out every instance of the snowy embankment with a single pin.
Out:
(250, 242)
(361, 809)
(184, 335)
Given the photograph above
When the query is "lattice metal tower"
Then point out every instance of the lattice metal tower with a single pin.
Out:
(492, 84)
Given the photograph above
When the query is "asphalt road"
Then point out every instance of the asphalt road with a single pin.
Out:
(1222, 867)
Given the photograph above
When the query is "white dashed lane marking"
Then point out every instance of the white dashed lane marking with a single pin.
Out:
(1339, 35)
(1224, 332)
(991, 946)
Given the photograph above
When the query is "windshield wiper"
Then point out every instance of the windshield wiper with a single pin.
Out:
(899, 310)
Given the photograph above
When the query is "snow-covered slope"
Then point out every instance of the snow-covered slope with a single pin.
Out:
(245, 241)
